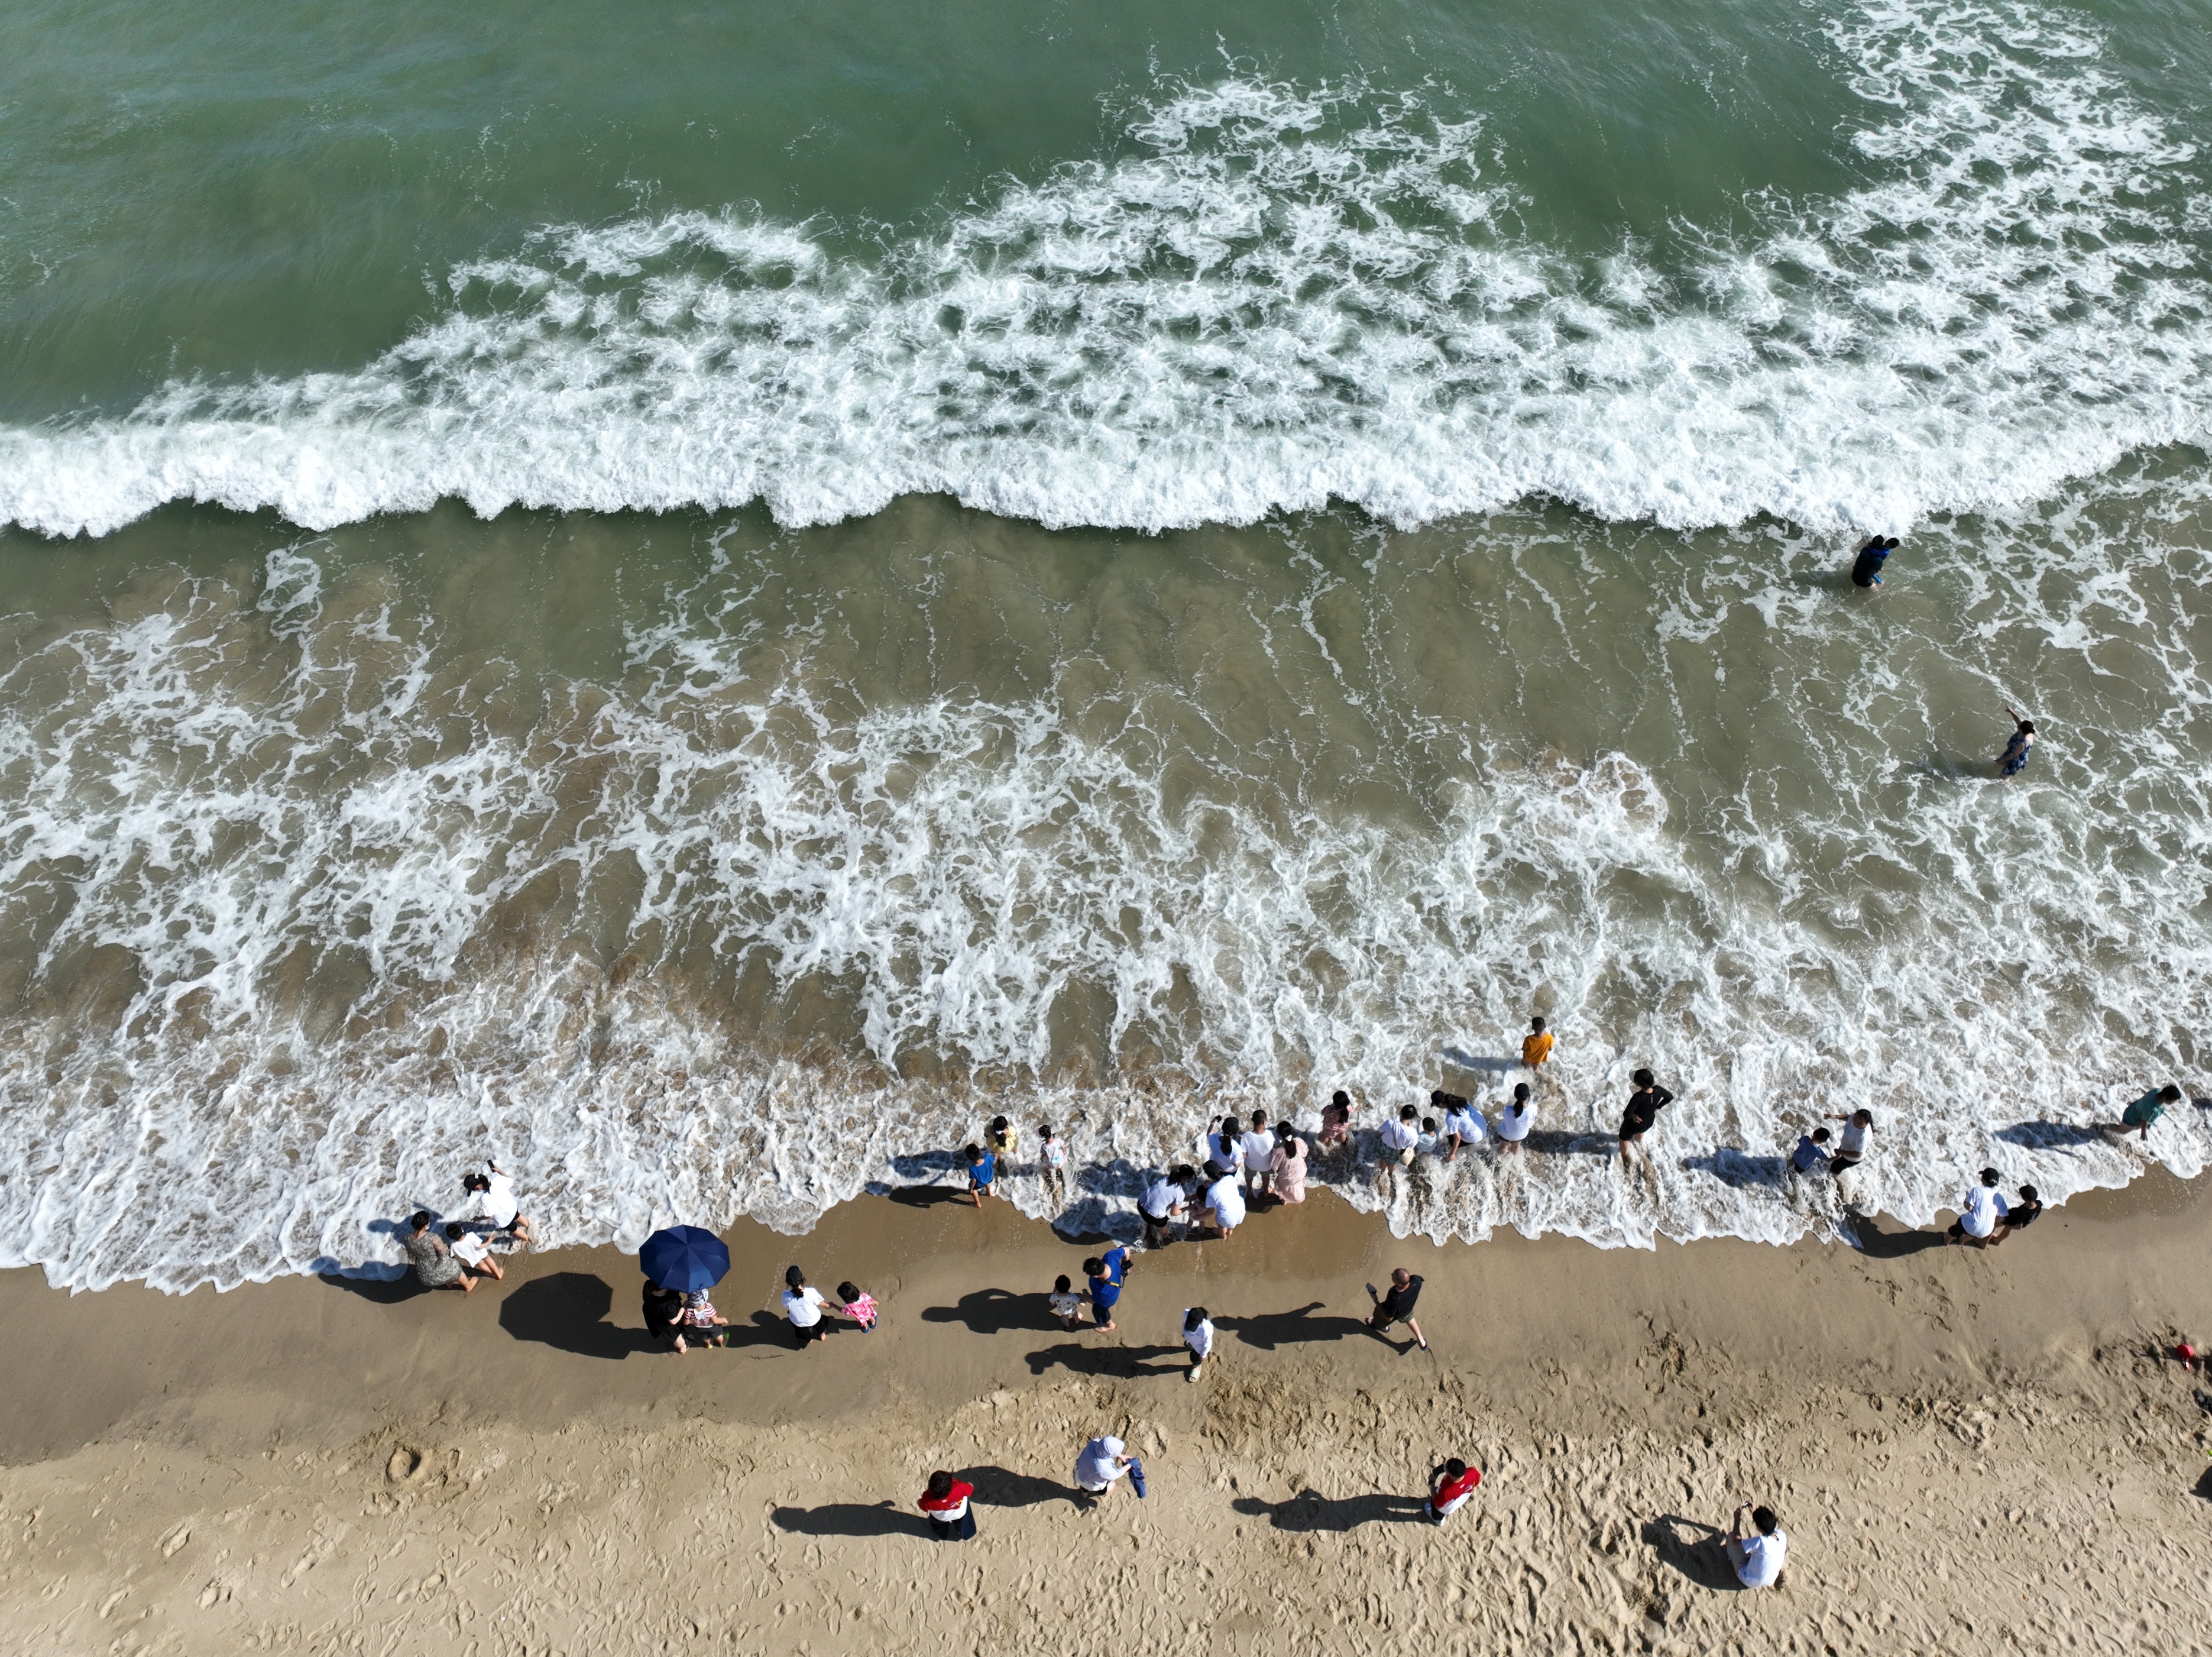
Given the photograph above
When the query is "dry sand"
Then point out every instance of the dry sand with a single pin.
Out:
(1971, 1450)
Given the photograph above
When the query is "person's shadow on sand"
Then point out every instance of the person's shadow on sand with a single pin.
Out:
(993, 1312)
(1693, 1548)
(568, 1311)
(1309, 1510)
(1879, 1245)
(1268, 1329)
(999, 1487)
(849, 1519)
(1124, 1361)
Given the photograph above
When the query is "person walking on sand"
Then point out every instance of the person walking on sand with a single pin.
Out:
(1981, 1214)
(1257, 1148)
(859, 1305)
(1198, 1335)
(1515, 1121)
(946, 1504)
(1757, 1557)
(803, 1305)
(1536, 1045)
(1464, 1128)
(982, 1169)
(497, 1202)
(1397, 1306)
(1225, 1200)
(2013, 760)
(1106, 1272)
(1101, 1465)
(435, 1265)
(1449, 1486)
(1286, 1168)
(2145, 1111)
(1643, 1107)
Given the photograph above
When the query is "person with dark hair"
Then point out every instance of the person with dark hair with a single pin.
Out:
(1515, 1121)
(1001, 1141)
(435, 1265)
(1449, 1486)
(1066, 1305)
(1198, 1335)
(1981, 1214)
(1463, 1124)
(2020, 1216)
(1226, 1202)
(2145, 1111)
(1643, 1107)
(1106, 1272)
(472, 1251)
(1866, 570)
(1224, 1146)
(859, 1305)
(1286, 1168)
(496, 1203)
(1400, 1137)
(2013, 760)
(663, 1315)
(1811, 1152)
(1397, 1306)
(1851, 1151)
(1758, 1558)
(1257, 1148)
(1164, 1204)
(1051, 1161)
(947, 1505)
(1536, 1045)
(982, 1169)
(1335, 1121)
(803, 1305)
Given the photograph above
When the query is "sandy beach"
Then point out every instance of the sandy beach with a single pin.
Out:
(1970, 1451)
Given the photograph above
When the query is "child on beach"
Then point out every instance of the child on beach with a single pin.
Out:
(1757, 1558)
(1515, 1121)
(1335, 1122)
(1198, 1335)
(1643, 1107)
(1431, 1142)
(1811, 1152)
(2013, 760)
(982, 1169)
(701, 1324)
(858, 1306)
(2020, 1216)
(1000, 1140)
(1257, 1148)
(473, 1252)
(1052, 1163)
(1536, 1045)
(1463, 1124)
(1066, 1304)
(1449, 1486)
(1286, 1168)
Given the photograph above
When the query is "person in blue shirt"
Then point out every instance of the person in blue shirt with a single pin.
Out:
(1812, 1151)
(1867, 571)
(2013, 760)
(1106, 1272)
(982, 1169)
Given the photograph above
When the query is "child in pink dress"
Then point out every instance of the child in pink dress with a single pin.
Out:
(859, 1307)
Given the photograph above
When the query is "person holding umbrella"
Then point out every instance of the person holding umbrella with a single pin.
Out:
(687, 1261)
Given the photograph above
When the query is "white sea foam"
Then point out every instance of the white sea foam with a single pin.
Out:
(1292, 296)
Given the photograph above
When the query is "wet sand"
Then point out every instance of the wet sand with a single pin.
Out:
(1975, 1449)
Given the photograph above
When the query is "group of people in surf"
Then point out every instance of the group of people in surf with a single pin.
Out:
(1866, 571)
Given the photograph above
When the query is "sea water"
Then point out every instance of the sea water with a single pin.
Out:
(705, 631)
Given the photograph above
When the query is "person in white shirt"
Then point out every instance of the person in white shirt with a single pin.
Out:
(471, 1250)
(1227, 1203)
(1757, 1557)
(803, 1305)
(1257, 1148)
(1464, 1127)
(1979, 1213)
(1224, 1146)
(1161, 1208)
(1515, 1121)
(1400, 1137)
(497, 1202)
(1198, 1335)
(1101, 1465)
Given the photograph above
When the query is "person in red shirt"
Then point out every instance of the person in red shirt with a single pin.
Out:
(945, 1504)
(1449, 1486)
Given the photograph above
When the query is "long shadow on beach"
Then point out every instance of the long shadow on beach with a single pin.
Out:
(378, 1291)
(1879, 1245)
(1693, 1548)
(993, 1312)
(1552, 1142)
(1123, 1361)
(999, 1487)
(1309, 1510)
(2051, 1135)
(1269, 1329)
(568, 1311)
(849, 1519)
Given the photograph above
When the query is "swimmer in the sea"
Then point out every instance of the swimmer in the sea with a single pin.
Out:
(2013, 760)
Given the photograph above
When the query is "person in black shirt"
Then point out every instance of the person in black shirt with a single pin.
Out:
(1397, 1306)
(2021, 1213)
(1867, 571)
(1643, 1107)
(663, 1307)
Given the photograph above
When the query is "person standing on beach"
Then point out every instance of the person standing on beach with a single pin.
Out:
(1981, 1214)
(803, 1305)
(1052, 1162)
(1449, 1486)
(1226, 1145)
(1643, 1107)
(2013, 760)
(1866, 570)
(1257, 1148)
(435, 1265)
(1463, 1125)
(946, 1504)
(2145, 1111)
(1286, 1168)
(1757, 1557)
(1225, 1200)
(1397, 1306)
(1161, 1208)
(1101, 1465)
(1066, 1305)
(1536, 1045)
(1812, 1151)
(1515, 1121)
(496, 1203)
(1002, 1142)
(1198, 1335)
(2020, 1216)
(982, 1169)
(1106, 1272)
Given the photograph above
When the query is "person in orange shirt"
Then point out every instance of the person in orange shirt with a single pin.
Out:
(1536, 1047)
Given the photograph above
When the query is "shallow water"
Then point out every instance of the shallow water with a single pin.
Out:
(1217, 580)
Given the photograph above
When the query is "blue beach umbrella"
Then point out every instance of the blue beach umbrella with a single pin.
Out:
(684, 1257)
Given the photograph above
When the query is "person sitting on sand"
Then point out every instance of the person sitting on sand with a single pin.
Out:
(947, 1504)
(982, 1169)
(1101, 1465)
(1286, 1168)
(1757, 1557)
(1464, 1128)
(1515, 1121)
(435, 1265)
(702, 1326)
(2145, 1111)
(803, 1305)
(1257, 1148)
(1643, 1107)
(1198, 1335)
(1397, 1306)
(2013, 760)
(1335, 1122)
(473, 1252)
(2020, 1216)
(1450, 1487)
(1536, 1045)
(1225, 1200)
(1066, 1305)
(1980, 1215)
(497, 1202)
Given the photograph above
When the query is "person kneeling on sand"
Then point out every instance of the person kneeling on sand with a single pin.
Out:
(1980, 1215)
(1449, 1486)
(1161, 1206)
(1757, 1557)
(1101, 1465)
